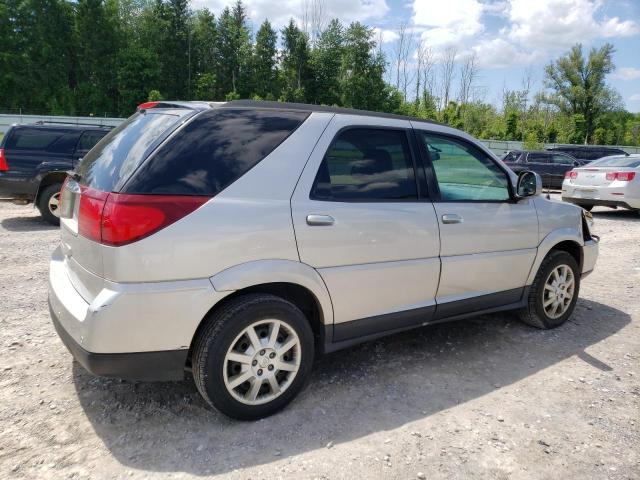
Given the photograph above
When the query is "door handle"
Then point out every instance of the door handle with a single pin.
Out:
(320, 220)
(451, 218)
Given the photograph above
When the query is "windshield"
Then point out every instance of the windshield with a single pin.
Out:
(631, 162)
(120, 152)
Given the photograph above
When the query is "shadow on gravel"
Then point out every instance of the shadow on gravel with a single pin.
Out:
(381, 385)
(617, 214)
(26, 224)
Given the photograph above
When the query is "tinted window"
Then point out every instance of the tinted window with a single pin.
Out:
(213, 150)
(89, 139)
(464, 172)
(562, 160)
(632, 162)
(124, 148)
(538, 158)
(32, 138)
(366, 164)
(511, 157)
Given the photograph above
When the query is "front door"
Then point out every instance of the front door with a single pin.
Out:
(488, 241)
(361, 221)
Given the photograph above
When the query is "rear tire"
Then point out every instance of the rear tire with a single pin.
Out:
(253, 356)
(554, 292)
(48, 203)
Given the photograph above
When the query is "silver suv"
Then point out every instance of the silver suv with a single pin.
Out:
(238, 240)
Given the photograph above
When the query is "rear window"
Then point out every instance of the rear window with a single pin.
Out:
(121, 151)
(214, 150)
(51, 140)
(631, 162)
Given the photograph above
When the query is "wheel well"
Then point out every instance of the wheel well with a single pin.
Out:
(50, 179)
(300, 296)
(572, 248)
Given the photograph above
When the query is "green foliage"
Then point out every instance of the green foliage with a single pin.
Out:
(105, 57)
(154, 96)
(531, 141)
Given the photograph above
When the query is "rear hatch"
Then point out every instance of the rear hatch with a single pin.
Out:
(104, 169)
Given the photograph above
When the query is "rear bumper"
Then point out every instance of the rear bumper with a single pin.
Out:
(136, 331)
(608, 196)
(16, 187)
(149, 366)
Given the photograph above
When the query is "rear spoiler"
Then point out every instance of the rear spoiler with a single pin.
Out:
(173, 104)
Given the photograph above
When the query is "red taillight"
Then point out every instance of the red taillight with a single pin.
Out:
(90, 213)
(4, 166)
(118, 219)
(571, 174)
(146, 105)
(621, 176)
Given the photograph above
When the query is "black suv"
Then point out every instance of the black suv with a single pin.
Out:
(34, 160)
(550, 165)
(586, 153)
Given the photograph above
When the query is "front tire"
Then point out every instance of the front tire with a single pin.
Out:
(554, 292)
(253, 356)
(49, 202)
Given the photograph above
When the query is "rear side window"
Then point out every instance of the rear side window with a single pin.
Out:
(366, 164)
(538, 158)
(214, 150)
(32, 139)
(122, 150)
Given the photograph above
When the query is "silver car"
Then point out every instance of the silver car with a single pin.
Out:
(237, 241)
(611, 182)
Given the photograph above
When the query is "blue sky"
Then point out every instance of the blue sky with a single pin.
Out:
(508, 37)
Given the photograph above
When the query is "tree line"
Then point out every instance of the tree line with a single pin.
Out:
(104, 57)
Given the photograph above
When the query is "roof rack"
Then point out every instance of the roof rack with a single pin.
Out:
(54, 122)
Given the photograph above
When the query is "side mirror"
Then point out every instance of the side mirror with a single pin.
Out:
(434, 155)
(529, 184)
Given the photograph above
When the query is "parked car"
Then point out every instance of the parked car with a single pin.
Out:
(586, 153)
(551, 166)
(34, 160)
(239, 240)
(610, 182)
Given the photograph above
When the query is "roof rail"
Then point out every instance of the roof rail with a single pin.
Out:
(54, 122)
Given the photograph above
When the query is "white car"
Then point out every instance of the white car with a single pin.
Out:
(238, 241)
(611, 182)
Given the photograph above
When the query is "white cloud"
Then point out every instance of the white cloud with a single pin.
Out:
(635, 97)
(499, 53)
(385, 36)
(627, 73)
(280, 12)
(448, 22)
(558, 24)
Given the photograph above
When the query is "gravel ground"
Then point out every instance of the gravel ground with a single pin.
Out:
(484, 398)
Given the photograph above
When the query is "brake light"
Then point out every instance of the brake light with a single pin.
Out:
(147, 105)
(621, 176)
(90, 213)
(4, 166)
(118, 219)
(571, 174)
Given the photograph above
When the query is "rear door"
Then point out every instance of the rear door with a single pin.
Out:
(101, 171)
(488, 241)
(362, 221)
(560, 164)
(539, 162)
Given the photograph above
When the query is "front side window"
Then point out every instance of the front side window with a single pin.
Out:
(367, 164)
(464, 172)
